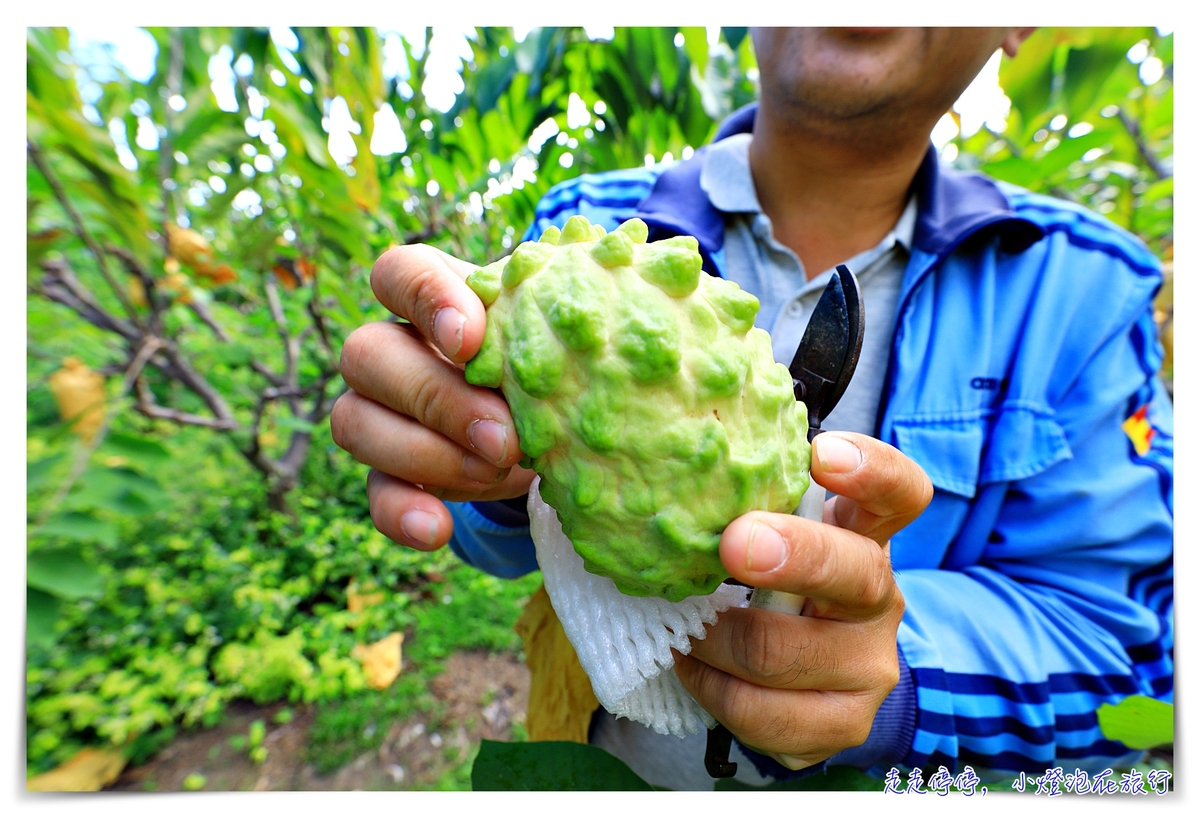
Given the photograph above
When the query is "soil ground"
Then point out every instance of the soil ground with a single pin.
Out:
(483, 696)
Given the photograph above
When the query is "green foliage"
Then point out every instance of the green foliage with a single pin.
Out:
(1138, 722)
(269, 668)
(470, 610)
(194, 781)
(343, 730)
(551, 765)
(1092, 121)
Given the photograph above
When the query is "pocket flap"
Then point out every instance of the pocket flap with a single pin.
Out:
(961, 453)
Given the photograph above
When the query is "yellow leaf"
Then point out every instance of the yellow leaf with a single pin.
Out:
(381, 661)
(90, 770)
(221, 274)
(561, 700)
(189, 247)
(79, 393)
(359, 598)
(178, 285)
(137, 292)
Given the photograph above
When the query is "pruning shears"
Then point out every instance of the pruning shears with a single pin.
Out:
(821, 370)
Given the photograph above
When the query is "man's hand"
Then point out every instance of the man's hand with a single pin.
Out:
(801, 688)
(427, 434)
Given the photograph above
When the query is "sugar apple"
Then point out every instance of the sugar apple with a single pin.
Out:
(645, 398)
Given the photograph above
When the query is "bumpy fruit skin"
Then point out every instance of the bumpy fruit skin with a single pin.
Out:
(644, 397)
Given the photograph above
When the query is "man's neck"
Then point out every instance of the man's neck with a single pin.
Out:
(827, 199)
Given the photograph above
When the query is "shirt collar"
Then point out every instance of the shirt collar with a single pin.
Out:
(952, 206)
(726, 178)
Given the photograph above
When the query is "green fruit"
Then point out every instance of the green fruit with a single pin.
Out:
(644, 397)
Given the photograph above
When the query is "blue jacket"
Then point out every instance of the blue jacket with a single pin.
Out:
(1038, 584)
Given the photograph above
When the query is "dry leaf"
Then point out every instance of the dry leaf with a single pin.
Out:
(90, 770)
(79, 393)
(189, 247)
(222, 274)
(561, 700)
(193, 249)
(292, 273)
(137, 292)
(358, 598)
(380, 660)
(178, 285)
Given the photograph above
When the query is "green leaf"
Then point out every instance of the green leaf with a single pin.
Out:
(1028, 78)
(121, 490)
(734, 36)
(695, 45)
(1013, 169)
(137, 449)
(1068, 151)
(41, 612)
(493, 81)
(298, 130)
(1088, 69)
(550, 765)
(199, 120)
(234, 353)
(63, 573)
(841, 779)
(38, 473)
(295, 424)
(1158, 190)
(76, 525)
(1138, 722)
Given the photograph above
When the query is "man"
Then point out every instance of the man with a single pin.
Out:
(1008, 338)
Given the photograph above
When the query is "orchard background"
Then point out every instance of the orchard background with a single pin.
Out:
(200, 234)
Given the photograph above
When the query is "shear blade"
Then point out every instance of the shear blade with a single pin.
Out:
(828, 353)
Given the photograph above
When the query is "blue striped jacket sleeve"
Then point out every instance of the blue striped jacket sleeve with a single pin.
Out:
(1070, 604)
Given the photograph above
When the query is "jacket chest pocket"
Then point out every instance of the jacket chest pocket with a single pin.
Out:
(962, 453)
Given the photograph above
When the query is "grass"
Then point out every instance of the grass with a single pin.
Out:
(464, 610)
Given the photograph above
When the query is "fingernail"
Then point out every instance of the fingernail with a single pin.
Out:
(478, 469)
(765, 550)
(448, 330)
(489, 438)
(420, 526)
(793, 762)
(837, 455)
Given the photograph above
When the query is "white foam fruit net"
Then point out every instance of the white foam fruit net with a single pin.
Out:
(624, 642)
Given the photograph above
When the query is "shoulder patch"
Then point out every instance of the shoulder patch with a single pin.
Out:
(1138, 429)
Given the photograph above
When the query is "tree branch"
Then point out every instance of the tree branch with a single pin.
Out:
(150, 408)
(35, 155)
(177, 367)
(60, 284)
(291, 347)
(149, 285)
(166, 154)
(318, 317)
(1147, 155)
(264, 370)
(202, 312)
